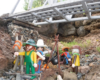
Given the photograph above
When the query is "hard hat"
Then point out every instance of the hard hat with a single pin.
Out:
(65, 48)
(40, 43)
(30, 42)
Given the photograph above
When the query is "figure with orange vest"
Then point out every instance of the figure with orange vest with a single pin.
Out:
(40, 48)
(76, 51)
(30, 56)
(66, 54)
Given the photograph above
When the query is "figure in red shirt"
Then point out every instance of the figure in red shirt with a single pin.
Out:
(66, 55)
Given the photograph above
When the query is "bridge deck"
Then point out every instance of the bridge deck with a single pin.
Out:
(64, 10)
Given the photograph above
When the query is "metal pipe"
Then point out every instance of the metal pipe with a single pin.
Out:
(45, 2)
(63, 20)
(86, 9)
(15, 7)
(30, 4)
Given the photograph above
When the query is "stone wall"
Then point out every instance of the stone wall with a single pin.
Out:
(27, 33)
(77, 28)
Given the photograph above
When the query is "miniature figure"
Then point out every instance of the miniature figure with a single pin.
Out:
(40, 49)
(30, 56)
(66, 55)
(76, 51)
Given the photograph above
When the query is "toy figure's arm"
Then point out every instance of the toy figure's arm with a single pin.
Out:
(73, 65)
(67, 57)
(34, 59)
(41, 56)
(19, 53)
(74, 59)
(45, 52)
(22, 53)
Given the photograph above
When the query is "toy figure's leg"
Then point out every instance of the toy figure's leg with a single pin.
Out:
(39, 63)
(27, 68)
(33, 72)
(70, 62)
(68, 55)
(76, 69)
(66, 60)
(73, 69)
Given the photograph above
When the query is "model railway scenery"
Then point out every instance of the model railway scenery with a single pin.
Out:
(50, 40)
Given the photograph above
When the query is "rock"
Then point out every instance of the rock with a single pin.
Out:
(86, 63)
(78, 23)
(87, 22)
(69, 76)
(98, 59)
(79, 69)
(50, 78)
(48, 30)
(66, 29)
(79, 75)
(26, 32)
(81, 31)
(93, 55)
(94, 58)
(91, 64)
(85, 69)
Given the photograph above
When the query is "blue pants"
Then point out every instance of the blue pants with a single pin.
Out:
(66, 58)
(39, 63)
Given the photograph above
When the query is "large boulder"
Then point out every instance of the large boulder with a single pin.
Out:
(66, 29)
(87, 22)
(78, 23)
(81, 31)
(48, 30)
(84, 69)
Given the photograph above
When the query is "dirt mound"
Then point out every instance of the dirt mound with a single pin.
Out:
(6, 50)
(93, 36)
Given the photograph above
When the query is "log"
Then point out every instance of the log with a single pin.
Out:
(25, 24)
(16, 63)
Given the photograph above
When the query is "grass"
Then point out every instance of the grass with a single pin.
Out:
(98, 48)
(85, 44)
(87, 55)
(70, 44)
(81, 44)
(47, 55)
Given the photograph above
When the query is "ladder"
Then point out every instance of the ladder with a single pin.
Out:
(48, 14)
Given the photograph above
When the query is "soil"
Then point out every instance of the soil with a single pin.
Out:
(6, 51)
